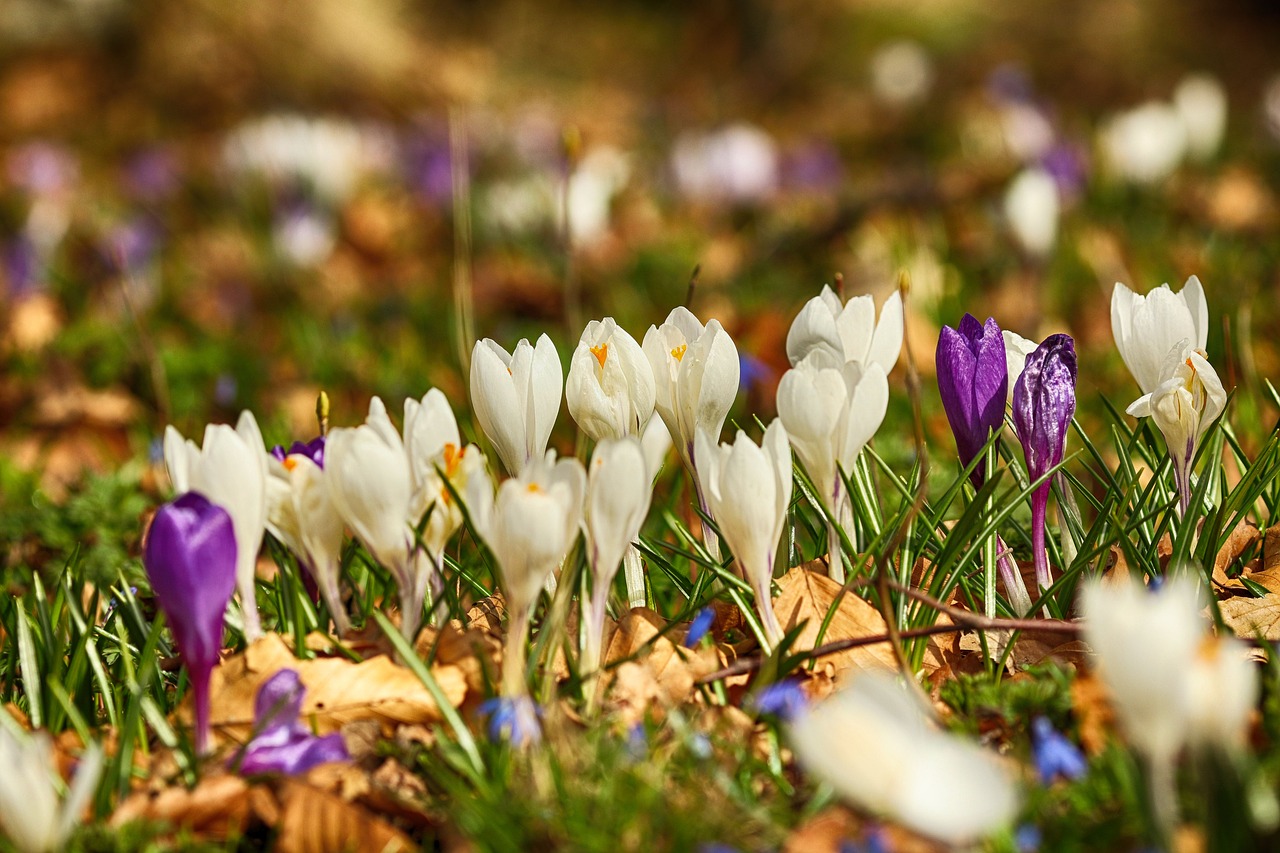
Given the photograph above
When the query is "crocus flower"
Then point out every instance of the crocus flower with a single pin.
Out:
(876, 746)
(973, 381)
(1188, 398)
(1145, 328)
(748, 492)
(1201, 102)
(1031, 208)
(610, 390)
(533, 524)
(830, 413)
(302, 515)
(36, 818)
(1044, 401)
(190, 559)
(230, 469)
(619, 489)
(1016, 350)
(280, 743)
(848, 332)
(516, 397)
(1054, 755)
(1145, 144)
(1172, 683)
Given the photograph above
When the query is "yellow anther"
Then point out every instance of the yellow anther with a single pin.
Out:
(678, 352)
(601, 353)
(290, 462)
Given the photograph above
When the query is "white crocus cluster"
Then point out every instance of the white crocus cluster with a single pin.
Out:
(875, 744)
(1173, 684)
(36, 818)
(748, 492)
(516, 398)
(230, 469)
(835, 396)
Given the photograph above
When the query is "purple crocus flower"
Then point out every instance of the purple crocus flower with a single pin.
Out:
(1044, 400)
(281, 744)
(974, 383)
(1054, 755)
(191, 561)
(313, 450)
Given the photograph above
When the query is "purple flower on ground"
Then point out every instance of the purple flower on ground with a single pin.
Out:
(190, 559)
(1066, 163)
(699, 627)
(784, 699)
(23, 267)
(1054, 755)
(132, 244)
(513, 719)
(313, 450)
(973, 381)
(1044, 400)
(281, 744)
(152, 174)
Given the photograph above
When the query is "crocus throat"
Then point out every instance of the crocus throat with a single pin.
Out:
(678, 352)
(452, 459)
(601, 353)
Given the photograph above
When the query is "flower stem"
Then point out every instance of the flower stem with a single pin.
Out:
(592, 641)
(513, 654)
(633, 572)
(760, 585)
(1039, 507)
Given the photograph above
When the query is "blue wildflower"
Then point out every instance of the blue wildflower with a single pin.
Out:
(1055, 755)
(514, 720)
(784, 699)
(699, 627)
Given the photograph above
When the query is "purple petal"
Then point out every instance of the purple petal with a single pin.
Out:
(1044, 400)
(279, 701)
(973, 382)
(514, 720)
(296, 753)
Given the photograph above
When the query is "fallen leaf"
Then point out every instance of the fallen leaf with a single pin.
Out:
(662, 673)
(1253, 617)
(221, 805)
(1093, 711)
(338, 691)
(313, 821)
(1241, 539)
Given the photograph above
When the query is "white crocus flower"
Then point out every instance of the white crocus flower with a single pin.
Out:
(1144, 145)
(1031, 208)
(1201, 101)
(302, 515)
(1145, 328)
(1016, 350)
(657, 443)
(874, 743)
(748, 490)
(1187, 400)
(619, 489)
(610, 390)
(230, 469)
(516, 397)
(1172, 683)
(848, 332)
(830, 413)
(530, 529)
(34, 817)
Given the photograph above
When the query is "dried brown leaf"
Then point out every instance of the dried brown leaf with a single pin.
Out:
(216, 808)
(662, 673)
(313, 821)
(1241, 539)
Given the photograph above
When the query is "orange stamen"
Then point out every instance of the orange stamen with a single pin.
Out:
(678, 352)
(601, 353)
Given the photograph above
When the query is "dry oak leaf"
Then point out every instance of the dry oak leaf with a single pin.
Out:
(1253, 617)
(806, 596)
(1241, 539)
(216, 808)
(316, 822)
(338, 691)
(662, 673)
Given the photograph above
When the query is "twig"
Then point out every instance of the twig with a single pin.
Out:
(693, 284)
(463, 290)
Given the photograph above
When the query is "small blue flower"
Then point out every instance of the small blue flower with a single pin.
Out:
(700, 745)
(514, 720)
(784, 699)
(637, 742)
(1027, 838)
(1054, 755)
(872, 842)
(699, 627)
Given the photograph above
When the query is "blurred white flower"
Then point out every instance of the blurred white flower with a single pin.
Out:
(610, 389)
(1027, 132)
(1146, 327)
(230, 470)
(1271, 106)
(1201, 101)
(901, 73)
(35, 817)
(737, 164)
(873, 742)
(600, 175)
(1031, 207)
(1144, 145)
(657, 444)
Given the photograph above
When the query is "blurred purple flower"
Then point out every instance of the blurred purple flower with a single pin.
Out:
(813, 166)
(313, 450)
(23, 268)
(1044, 400)
(42, 168)
(281, 744)
(428, 166)
(1027, 838)
(784, 699)
(130, 245)
(1066, 163)
(152, 174)
(974, 383)
(1009, 83)
(513, 719)
(1054, 755)
(755, 372)
(637, 742)
(225, 389)
(699, 627)
(190, 559)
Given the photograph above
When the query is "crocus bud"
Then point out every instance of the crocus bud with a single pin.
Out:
(1186, 401)
(1016, 350)
(516, 397)
(610, 390)
(748, 492)
(1145, 328)
(36, 818)
(848, 332)
(281, 743)
(1044, 401)
(876, 746)
(618, 492)
(230, 469)
(190, 559)
(973, 381)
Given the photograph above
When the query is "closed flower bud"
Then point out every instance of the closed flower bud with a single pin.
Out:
(516, 397)
(610, 390)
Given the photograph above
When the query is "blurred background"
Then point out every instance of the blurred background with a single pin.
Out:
(213, 204)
